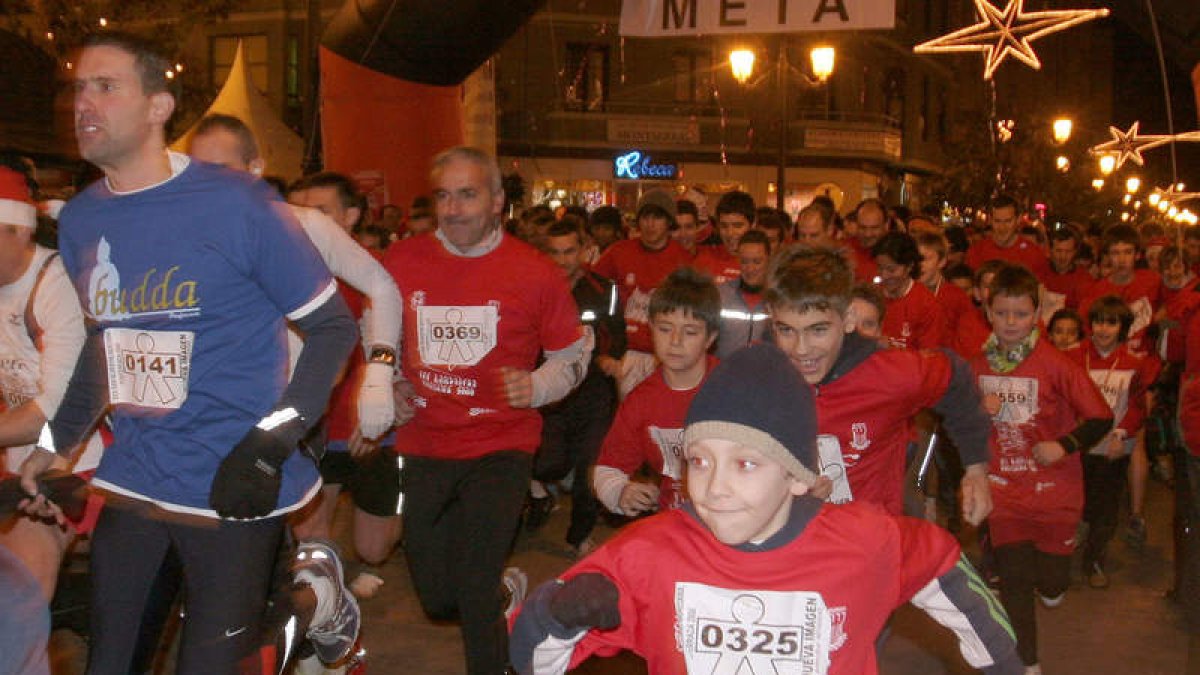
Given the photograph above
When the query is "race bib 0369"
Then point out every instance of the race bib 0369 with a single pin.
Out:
(456, 336)
(148, 368)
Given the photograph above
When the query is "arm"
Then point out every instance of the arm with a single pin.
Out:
(556, 617)
(959, 600)
(968, 426)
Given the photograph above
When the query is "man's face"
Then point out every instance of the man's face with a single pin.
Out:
(114, 118)
(1175, 272)
(219, 146)
(753, 260)
(811, 339)
(731, 227)
(893, 276)
(931, 265)
(565, 251)
(654, 231)
(1062, 254)
(1106, 334)
(1013, 318)
(15, 251)
(1004, 225)
(686, 231)
(681, 341)
(1122, 258)
(739, 494)
(467, 209)
(811, 230)
(866, 318)
(872, 225)
(420, 225)
(1152, 253)
(325, 199)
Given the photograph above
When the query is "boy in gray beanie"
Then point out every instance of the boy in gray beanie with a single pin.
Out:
(754, 574)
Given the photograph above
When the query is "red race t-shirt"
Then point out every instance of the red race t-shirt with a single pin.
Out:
(915, 320)
(1143, 294)
(637, 271)
(719, 263)
(1022, 252)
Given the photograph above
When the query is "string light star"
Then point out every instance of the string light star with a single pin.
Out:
(1173, 196)
(1009, 31)
(1128, 145)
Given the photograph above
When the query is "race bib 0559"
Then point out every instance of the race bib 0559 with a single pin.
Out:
(1018, 397)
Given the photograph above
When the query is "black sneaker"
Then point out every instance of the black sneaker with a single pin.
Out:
(538, 513)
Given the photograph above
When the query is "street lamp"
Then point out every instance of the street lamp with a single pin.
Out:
(741, 62)
(1108, 163)
(1062, 163)
(1062, 129)
(822, 59)
(1154, 199)
(1098, 184)
(1132, 185)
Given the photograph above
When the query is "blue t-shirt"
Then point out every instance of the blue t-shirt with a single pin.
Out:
(192, 281)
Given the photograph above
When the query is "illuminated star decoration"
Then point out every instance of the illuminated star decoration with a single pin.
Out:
(1173, 196)
(1128, 145)
(1008, 31)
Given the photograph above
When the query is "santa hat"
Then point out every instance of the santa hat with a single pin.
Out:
(16, 204)
(758, 399)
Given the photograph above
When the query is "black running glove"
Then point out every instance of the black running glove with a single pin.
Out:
(247, 482)
(66, 490)
(587, 601)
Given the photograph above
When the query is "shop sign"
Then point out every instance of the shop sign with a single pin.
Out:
(641, 131)
(672, 18)
(876, 142)
(634, 165)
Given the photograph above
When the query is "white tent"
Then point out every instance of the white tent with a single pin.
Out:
(281, 148)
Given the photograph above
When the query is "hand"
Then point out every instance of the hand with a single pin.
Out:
(589, 600)
(608, 365)
(403, 393)
(34, 467)
(518, 387)
(360, 446)
(822, 488)
(247, 482)
(1113, 445)
(992, 404)
(375, 407)
(638, 498)
(1048, 452)
(976, 494)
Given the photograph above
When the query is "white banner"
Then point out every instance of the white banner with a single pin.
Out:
(670, 18)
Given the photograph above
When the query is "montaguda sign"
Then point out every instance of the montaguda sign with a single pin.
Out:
(634, 165)
(671, 18)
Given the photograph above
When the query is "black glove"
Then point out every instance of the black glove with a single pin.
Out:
(66, 490)
(247, 482)
(587, 601)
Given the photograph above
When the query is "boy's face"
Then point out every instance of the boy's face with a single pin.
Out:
(1122, 257)
(964, 284)
(811, 339)
(731, 227)
(981, 292)
(1152, 253)
(866, 318)
(680, 340)
(686, 231)
(931, 265)
(1064, 333)
(654, 230)
(1062, 253)
(1013, 318)
(740, 494)
(1106, 334)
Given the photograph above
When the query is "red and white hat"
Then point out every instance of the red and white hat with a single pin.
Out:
(16, 204)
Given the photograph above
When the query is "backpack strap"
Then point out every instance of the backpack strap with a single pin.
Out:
(31, 324)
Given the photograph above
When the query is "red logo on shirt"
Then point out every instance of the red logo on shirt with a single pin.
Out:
(859, 440)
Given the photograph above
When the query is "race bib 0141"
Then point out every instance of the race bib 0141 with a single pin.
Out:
(751, 632)
(148, 368)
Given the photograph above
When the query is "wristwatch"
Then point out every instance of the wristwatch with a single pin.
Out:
(384, 355)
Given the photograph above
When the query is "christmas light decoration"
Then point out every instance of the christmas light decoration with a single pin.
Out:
(1128, 145)
(1008, 31)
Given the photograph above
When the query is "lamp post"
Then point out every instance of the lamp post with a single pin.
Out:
(822, 58)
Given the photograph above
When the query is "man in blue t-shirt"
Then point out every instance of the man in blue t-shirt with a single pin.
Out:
(187, 274)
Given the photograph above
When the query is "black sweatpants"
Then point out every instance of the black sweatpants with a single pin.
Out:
(1024, 571)
(1104, 488)
(460, 517)
(226, 566)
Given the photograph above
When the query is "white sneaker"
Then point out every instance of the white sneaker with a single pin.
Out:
(516, 585)
(366, 585)
(1051, 602)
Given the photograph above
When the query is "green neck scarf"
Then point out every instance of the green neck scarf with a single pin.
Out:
(1006, 360)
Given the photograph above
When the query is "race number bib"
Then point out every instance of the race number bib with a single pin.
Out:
(1114, 386)
(148, 368)
(1017, 395)
(456, 336)
(833, 466)
(670, 444)
(1143, 313)
(637, 307)
(1051, 303)
(731, 632)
